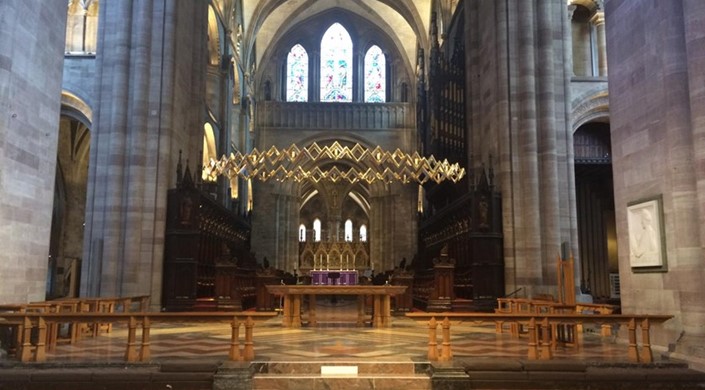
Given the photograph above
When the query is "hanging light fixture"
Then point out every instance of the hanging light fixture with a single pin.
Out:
(292, 164)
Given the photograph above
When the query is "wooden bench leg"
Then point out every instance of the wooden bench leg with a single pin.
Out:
(145, 351)
(446, 351)
(432, 344)
(533, 353)
(235, 340)
(249, 340)
(646, 354)
(545, 340)
(131, 352)
(24, 332)
(40, 352)
(633, 351)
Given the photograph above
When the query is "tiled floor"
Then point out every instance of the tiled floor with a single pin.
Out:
(336, 338)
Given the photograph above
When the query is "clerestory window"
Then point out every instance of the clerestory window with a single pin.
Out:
(375, 76)
(336, 81)
(297, 75)
(336, 65)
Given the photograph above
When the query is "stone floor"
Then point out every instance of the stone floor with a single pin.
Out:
(336, 337)
(197, 353)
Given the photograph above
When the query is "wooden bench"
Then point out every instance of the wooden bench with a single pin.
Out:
(562, 333)
(135, 351)
(540, 327)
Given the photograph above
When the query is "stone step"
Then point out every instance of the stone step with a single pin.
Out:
(341, 374)
(362, 367)
(347, 382)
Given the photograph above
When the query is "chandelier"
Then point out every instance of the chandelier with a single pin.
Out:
(316, 163)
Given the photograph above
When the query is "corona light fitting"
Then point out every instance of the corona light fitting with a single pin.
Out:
(317, 163)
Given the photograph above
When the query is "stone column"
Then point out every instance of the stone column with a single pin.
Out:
(151, 77)
(519, 109)
(598, 20)
(31, 64)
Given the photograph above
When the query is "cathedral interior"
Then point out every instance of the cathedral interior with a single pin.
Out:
(192, 150)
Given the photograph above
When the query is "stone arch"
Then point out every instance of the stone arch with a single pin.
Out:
(74, 106)
(592, 108)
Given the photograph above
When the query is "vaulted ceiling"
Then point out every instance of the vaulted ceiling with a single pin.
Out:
(255, 24)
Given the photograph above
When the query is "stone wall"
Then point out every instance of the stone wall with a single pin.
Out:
(31, 60)
(657, 105)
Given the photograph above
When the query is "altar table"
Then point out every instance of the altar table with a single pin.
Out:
(323, 277)
(381, 314)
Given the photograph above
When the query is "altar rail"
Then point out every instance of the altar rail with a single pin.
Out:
(539, 330)
(30, 350)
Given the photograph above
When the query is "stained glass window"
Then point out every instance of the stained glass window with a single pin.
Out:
(297, 75)
(336, 65)
(375, 76)
(302, 233)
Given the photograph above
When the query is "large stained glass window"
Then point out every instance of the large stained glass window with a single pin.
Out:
(297, 75)
(375, 76)
(336, 65)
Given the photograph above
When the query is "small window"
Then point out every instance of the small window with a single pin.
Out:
(348, 231)
(363, 233)
(317, 230)
(302, 233)
(82, 27)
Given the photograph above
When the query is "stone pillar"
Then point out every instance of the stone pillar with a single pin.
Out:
(151, 76)
(598, 20)
(518, 113)
(31, 64)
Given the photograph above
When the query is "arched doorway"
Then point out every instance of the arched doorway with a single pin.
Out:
(67, 227)
(596, 211)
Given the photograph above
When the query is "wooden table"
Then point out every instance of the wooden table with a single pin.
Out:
(381, 314)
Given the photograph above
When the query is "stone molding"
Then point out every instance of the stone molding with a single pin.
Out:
(590, 109)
